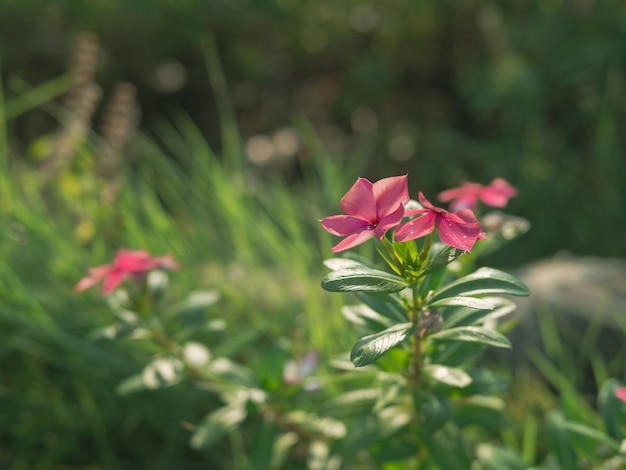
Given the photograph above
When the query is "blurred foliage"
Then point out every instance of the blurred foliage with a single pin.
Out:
(530, 90)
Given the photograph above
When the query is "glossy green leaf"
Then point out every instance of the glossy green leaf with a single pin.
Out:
(468, 316)
(473, 334)
(372, 347)
(447, 375)
(485, 281)
(360, 278)
(469, 302)
(443, 258)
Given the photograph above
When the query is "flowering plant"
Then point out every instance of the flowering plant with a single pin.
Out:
(423, 326)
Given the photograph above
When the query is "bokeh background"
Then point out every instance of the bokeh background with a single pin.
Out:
(529, 90)
(223, 130)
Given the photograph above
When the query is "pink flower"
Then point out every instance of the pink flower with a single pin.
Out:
(621, 394)
(372, 208)
(459, 229)
(126, 263)
(497, 194)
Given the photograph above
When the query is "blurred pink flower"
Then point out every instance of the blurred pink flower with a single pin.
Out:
(459, 229)
(372, 208)
(497, 194)
(621, 394)
(126, 263)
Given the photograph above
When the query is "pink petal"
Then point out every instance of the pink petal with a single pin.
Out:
(114, 279)
(416, 228)
(86, 283)
(342, 225)
(353, 240)
(621, 394)
(456, 232)
(133, 261)
(424, 202)
(359, 200)
(96, 274)
(498, 193)
(464, 190)
(466, 202)
(390, 221)
(389, 193)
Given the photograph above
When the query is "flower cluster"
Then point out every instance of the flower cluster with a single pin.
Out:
(373, 209)
(495, 194)
(127, 264)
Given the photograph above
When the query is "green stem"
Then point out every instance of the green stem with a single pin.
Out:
(416, 317)
(386, 250)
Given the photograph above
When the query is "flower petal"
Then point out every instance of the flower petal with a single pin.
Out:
(621, 394)
(96, 274)
(416, 228)
(424, 202)
(115, 278)
(343, 225)
(133, 261)
(498, 193)
(359, 200)
(466, 189)
(389, 193)
(353, 240)
(390, 221)
(456, 230)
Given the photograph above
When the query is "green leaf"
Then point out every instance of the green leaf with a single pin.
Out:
(335, 264)
(447, 447)
(322, 426)
(485, 281)
(447, 375)
(372, 347)
(131, 384)
(559, 441)
(469, 302)
(162, 372)
(194, 306)
(467, 316)
(353, 403)
(363, 315)
(389, 305)
(218, 423)
(433, 411)
(612, 409)
(280, 449)
(360, 278)
(497, 458)
(473, 334)
(484, 412)
(443, 258)
(592, 434)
